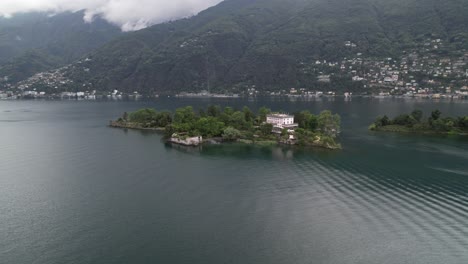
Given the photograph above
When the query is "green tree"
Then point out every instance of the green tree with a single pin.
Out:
(228, 111)
(231, 134)
(226, 115)
(435, 114)
(385, 120)
(300, 119)
(404, 120)
(202, 113)
(209, 126)
(301, 136)
(306, 120)
(417, 115)
(182, 127)
(185, 115)
(213, 110)
(250, 135)
(163, 119)
(382, 121)
(439, 125)
(284, 134)
(249, 116)
(462, 122)
(237, 120)
(262, 114)
(143, 116)
(449, 123)
(328, 123)
(266, 129)
(169, 131)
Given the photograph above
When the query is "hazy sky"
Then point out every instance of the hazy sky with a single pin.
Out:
(128, 14)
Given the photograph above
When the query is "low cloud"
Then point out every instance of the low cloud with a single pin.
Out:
(128, 14)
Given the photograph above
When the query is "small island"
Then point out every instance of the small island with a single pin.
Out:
(415, 123)
(217, 125)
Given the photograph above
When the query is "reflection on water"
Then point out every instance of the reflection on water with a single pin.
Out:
(247, 151)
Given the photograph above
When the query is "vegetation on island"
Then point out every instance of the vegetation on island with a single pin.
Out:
(415, 123)
(229, 124)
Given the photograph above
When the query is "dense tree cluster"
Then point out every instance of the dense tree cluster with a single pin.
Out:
(228, 123)
(325, 122)
(148, 118)
(415, 122)
(322, 128)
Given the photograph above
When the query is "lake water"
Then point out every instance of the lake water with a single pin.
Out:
(73, 190)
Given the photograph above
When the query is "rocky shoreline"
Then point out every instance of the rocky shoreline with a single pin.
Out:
(190, 141)
(406, 130)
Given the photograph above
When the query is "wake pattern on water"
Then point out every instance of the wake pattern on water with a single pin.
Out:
(388, 203)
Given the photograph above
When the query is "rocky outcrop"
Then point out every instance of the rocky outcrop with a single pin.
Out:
(186, 141)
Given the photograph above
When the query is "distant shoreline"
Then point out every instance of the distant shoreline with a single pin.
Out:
(104, 98)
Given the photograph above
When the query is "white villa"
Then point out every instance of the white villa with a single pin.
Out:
(281, 121)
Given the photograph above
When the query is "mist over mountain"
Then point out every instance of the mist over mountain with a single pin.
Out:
(129, 15)
(34, 42)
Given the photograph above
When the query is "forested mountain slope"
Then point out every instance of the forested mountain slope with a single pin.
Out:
(240, 43)
(35, 42)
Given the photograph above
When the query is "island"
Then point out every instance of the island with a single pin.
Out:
(415, 123)
(217, 125)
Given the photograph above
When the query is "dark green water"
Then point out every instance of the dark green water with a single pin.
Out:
(75, 191)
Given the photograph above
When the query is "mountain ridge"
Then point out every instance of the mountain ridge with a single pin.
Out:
(265, 43)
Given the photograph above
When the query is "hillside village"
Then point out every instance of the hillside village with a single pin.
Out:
(432, 70)
(418, 73)
(55, 84)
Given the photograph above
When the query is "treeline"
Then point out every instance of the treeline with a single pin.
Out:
(148, 118)
(415, 121)
(233, 124)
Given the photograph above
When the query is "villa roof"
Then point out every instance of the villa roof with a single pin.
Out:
(280, 115)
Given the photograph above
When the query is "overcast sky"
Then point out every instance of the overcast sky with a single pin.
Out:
(128, 14)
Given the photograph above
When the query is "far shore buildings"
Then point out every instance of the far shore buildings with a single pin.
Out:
(281, 121)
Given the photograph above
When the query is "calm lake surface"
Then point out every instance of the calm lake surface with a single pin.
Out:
(73, 190)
